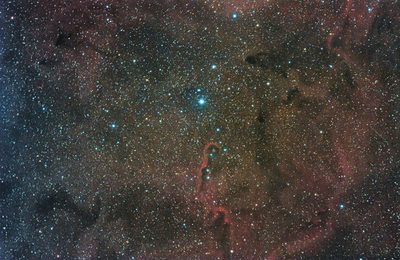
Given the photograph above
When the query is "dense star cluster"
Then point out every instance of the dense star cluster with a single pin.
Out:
(171, 129)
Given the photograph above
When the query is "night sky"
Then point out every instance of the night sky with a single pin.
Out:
(188, 129)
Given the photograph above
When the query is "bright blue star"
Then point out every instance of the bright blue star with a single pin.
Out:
(341, 206)
(113, 125)
(201, 101)
(213, 67)
(234, 15)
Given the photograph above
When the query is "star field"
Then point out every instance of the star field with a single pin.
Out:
(199, 129)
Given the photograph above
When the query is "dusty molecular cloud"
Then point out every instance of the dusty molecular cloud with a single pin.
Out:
(210, 129)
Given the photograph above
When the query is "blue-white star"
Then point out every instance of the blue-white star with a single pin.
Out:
(201, 101)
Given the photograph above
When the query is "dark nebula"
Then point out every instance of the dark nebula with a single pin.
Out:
(157, 129)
